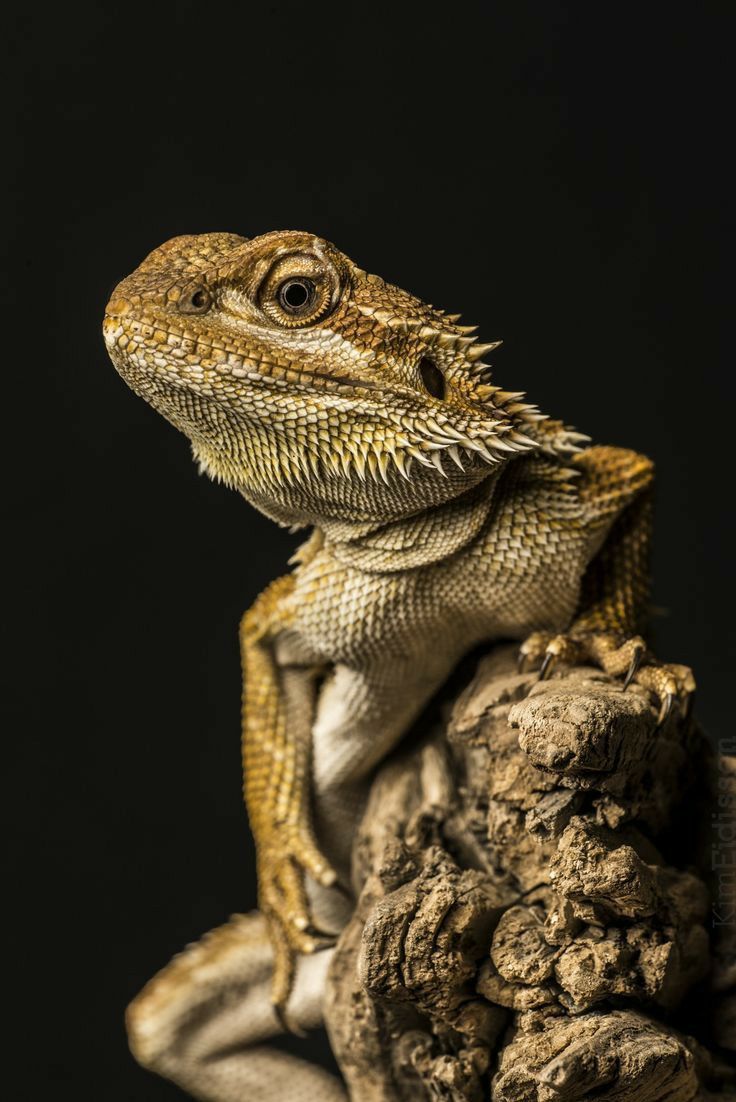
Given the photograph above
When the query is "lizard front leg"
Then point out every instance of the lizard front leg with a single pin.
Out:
(278, 707)
(615, 587)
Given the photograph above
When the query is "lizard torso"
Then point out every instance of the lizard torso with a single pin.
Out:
(395, 611)
(444, 511)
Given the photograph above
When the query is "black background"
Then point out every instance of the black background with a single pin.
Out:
(554, 171)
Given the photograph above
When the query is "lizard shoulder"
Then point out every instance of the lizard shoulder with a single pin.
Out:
(611, 478)
(269, 612)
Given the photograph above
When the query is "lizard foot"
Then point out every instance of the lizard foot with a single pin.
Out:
(283, 900)
(620, 657)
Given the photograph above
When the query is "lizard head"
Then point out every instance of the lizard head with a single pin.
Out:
(317, 390)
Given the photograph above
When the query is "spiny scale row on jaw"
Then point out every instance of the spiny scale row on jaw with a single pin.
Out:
(421, 440)
(334, 432)
(314, 440)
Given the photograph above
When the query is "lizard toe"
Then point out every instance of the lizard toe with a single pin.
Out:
(671, 683)
(533, 649)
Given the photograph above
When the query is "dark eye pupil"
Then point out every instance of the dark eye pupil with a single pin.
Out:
(199, 299)
(432, 377)
(295, 294)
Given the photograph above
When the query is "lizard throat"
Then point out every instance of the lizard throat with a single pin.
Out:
(431, 536)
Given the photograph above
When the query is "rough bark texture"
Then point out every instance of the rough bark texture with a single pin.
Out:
(534, 922)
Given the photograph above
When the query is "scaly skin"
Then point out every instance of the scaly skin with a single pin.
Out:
(445, 511)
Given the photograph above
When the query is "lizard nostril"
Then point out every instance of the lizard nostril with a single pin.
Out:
(432, 377)
(116, 307)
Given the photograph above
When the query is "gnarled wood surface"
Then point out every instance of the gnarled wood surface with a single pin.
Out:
(534, 921)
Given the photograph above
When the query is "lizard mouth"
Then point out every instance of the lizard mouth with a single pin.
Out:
(338, 380)
(114, 328)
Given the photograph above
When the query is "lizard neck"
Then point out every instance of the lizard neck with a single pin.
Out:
(416, 541)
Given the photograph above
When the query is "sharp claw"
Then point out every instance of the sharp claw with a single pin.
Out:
(547, 662)
(636, 659)
(322, 938)
(521, 662)
(285, 1022)
(281, 1017)
(664, 712)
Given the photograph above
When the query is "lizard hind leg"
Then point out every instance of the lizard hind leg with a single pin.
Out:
(206, 1019)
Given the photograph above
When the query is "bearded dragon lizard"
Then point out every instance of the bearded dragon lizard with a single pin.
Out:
(444, 510)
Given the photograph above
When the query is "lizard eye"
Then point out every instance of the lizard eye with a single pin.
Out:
(299, 290)
(296, 296)
(432, 378)
(196, 300)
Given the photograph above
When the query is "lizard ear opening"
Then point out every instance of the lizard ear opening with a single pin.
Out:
(432, 377)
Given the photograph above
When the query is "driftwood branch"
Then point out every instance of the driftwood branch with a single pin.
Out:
(534, 920)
